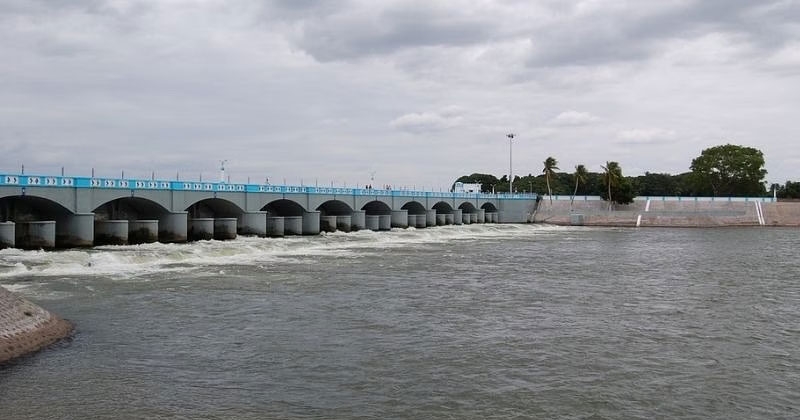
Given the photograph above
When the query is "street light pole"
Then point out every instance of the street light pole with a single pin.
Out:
(510, 172)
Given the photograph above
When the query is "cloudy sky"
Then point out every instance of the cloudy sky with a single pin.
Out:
(414, 92)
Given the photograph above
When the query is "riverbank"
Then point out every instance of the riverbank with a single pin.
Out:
(26, 327)
(672, 213)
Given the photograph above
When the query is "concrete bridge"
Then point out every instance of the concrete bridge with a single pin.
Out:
(58, 211)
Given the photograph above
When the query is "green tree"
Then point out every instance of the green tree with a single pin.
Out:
(789, 191)
(581, 175)
(618, 188)
(729, 170)
(550, 168)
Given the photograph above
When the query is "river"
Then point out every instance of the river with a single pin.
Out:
(456, 322)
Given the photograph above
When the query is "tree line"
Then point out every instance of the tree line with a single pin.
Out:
(720, 171)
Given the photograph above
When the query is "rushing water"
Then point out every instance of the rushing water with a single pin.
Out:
(470, 322)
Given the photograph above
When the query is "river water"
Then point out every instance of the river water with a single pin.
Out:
(457, 322)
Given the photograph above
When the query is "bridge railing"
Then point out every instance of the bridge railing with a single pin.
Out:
(155, 184)
(663, 198)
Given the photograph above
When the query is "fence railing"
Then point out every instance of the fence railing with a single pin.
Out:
(663, 198)
(155, 184)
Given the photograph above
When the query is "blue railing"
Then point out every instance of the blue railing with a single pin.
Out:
(664, 198)
(153, 184)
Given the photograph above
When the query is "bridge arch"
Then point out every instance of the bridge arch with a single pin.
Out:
(283, 208)
(214, 207)
(377, 208)
(467, 207)
(414, 207)
(334, 208)
(130, 208)
(22, 208)
(489, 207)
(443, 207)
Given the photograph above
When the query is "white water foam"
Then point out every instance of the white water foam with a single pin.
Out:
(137, 260)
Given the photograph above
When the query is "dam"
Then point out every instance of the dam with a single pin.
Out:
(43, 212)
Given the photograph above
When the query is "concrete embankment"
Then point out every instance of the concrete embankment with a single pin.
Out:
(669, 213)
(26, 327)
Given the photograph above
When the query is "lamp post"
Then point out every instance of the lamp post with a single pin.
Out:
(510, 172)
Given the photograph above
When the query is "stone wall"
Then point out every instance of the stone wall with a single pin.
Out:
(26, 327)
(658, 213)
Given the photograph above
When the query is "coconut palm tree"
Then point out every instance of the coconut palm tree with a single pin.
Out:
(611, 175)
(581, 175)
(550, 168)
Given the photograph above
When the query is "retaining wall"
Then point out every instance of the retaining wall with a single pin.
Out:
(671, 213)
(26, 327)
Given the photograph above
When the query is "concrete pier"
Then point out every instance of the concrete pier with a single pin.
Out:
(473, 218)
(275, 227)
(344, 223)
(111, 232)
(400, 219)
(430, 219)
(35, 235)
(75, 230)
(422, 221)
(224, 228)
(359, 220)
(252, 223)
(327, 223)
(441, 219)
(385, 222)
(7, 239)
(311, 223)
(372, 223)
(293, 225)
(449, 219)
(201, 229)
(466, 218)
(458, 217)
(142, 231)
(481, 216)
(173, 227)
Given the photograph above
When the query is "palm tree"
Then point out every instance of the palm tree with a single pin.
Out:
(581, 175)
(612, 174)
(550, 168)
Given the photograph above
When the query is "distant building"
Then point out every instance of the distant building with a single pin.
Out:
(461, 187)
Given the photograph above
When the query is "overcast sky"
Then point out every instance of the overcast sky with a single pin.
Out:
(416, 92)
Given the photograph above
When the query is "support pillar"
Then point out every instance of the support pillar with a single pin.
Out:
(275, 227)
(400, 219)
(449, 219)
(344, 223)
(372, 222)
(75, 230)
(473, 218)
(7, 239)
(441, 219)
(252, 223)
(142, 231)
(327, 223)
(201, 229)
(173, 227)
(359, 221)
(458, 217)
(430, 217)
(385, 222)
(224, 228)
(293, 225)
(481, 216)
(35, 235)
(311, 223)
(111, 232)
(422, 221)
